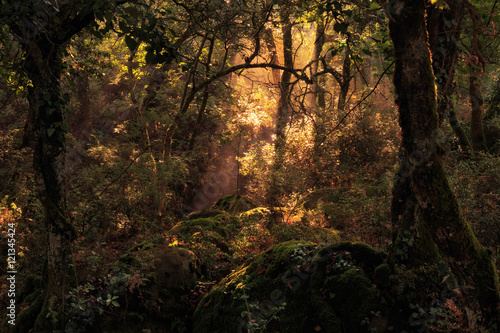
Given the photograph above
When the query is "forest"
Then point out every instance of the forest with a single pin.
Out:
(249, 166)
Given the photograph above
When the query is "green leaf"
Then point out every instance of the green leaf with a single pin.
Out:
(50, 131)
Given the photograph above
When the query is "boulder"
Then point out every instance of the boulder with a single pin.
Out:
(296, 287)
(234, 204)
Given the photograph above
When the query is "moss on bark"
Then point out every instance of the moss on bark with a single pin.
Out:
(416, 96)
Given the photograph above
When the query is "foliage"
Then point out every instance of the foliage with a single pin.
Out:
(170, 104)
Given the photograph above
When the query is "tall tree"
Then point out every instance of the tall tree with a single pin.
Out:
(475, 64)
(43, 29)
(283, 113)
(414, 83)
(445, 27)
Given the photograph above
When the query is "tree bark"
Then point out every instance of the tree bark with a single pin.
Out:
(273, 54)
(43, 65)
(412, 243)
(283, 112)
(444, 49)
(477, 101)
(317, 103)
(476, 64)
(414, 83)
(494, 103)
(43, 45)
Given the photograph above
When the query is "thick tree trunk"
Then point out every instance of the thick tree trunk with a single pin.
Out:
(416, 96)
(43, 66)
(412, 243)
(444, 50)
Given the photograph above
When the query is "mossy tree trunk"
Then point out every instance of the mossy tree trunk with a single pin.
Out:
(43, 66)
(444, 27)
(415, 88)
(317, 103)
(412, 243)
(43, 31)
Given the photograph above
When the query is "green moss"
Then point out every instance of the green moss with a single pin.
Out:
(25, 321)
(31, 284)
(293, 281)
(355, 299)
(187, 228)
(234, 204)
(382, 275)
(364, 255)
(130, 258)
(487, 284)
(256, 214)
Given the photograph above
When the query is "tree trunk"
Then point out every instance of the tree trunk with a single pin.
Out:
(414, 83)
(494, 103)
(273, 54)
(283, 113)
(491, 130)
(476, 63)
(476, 101)
(317, 104)
(346, 80)
(43, 66)
(412, 243)
(444, 50)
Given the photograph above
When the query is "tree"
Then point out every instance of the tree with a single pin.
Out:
(43, 30)
(283, 114)
(475, 64)
(445, 27)
(414, 80)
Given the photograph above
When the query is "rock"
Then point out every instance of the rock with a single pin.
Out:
(234, 204)
(296, 287)
(176, 268)
(153, 283)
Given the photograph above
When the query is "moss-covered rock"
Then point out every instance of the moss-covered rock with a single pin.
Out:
(154, 282)
(234, 204)
(222, 224)
(296, 287)
(30, 293)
